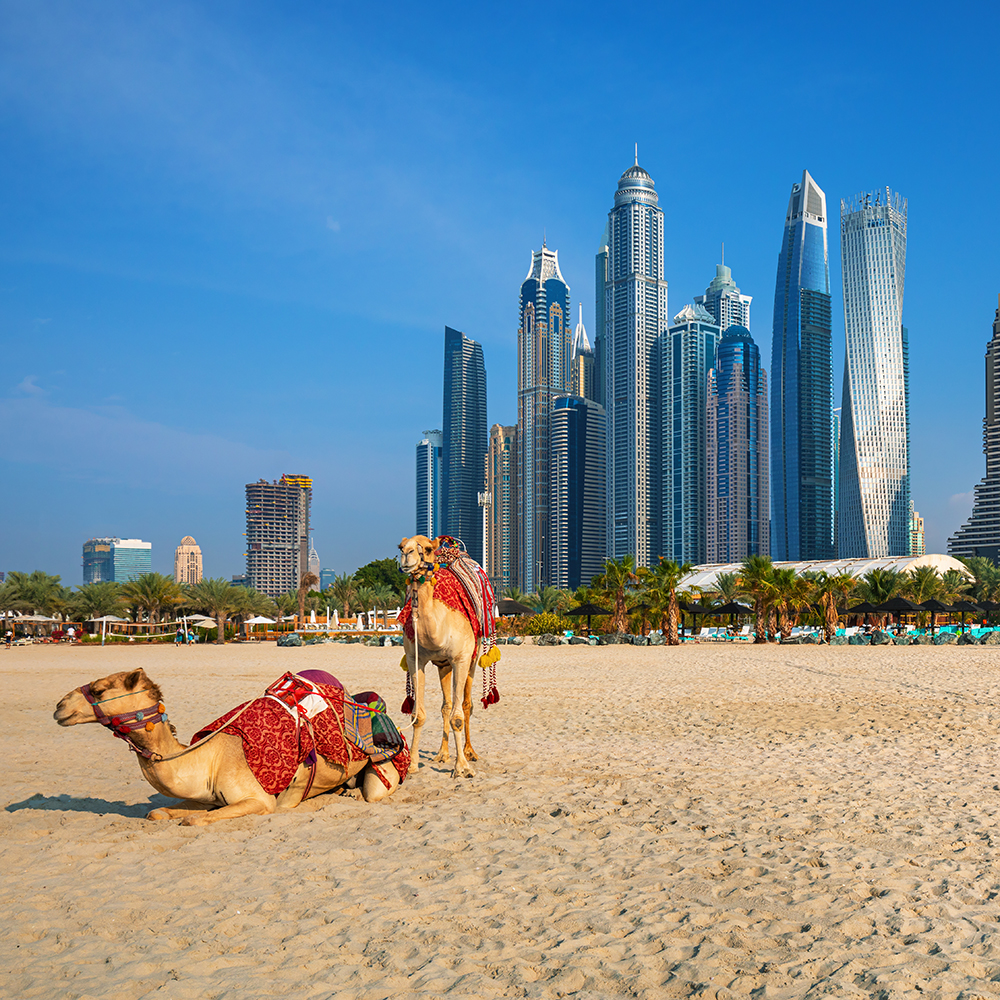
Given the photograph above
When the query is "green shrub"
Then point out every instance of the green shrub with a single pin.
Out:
(546, 622)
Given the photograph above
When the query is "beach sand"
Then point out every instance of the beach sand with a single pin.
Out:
(710, 821)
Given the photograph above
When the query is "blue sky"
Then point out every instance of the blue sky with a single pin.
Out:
(232, 233)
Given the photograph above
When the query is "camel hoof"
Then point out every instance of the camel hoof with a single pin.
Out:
(471, 754)
(441, 758)
(158, 814)
(197, 819)
(464, 772)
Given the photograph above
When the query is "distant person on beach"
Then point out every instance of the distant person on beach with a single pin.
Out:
(179, 638)
(8, 638)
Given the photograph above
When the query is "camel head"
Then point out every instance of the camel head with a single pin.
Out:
(415, 552)
(130, 690)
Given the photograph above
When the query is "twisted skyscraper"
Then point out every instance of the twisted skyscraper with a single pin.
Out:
(802, 485)
(874, 517)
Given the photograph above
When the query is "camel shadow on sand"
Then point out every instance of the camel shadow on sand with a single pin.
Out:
(72, 803)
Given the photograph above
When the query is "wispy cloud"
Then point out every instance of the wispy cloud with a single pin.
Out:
(28, 386)
(109, 445)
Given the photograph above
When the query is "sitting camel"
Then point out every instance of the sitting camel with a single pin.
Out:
(212, 776)
(445, 637)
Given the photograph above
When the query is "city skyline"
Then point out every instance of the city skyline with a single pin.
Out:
(161, 209)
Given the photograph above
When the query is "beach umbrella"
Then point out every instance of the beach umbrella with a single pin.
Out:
(588, 608)
(733, 608)
(259, 620)
(106, 618)
(508, 607)
(897, 606)
(694, 609)
(935, 607)
(966, 607)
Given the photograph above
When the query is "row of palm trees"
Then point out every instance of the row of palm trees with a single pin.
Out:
(781, 598)
(148, 598)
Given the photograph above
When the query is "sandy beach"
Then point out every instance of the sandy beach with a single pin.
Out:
(709, 821)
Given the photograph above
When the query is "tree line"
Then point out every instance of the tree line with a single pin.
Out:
(780, 598)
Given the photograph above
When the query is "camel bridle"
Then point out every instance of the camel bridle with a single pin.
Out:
(124, 724)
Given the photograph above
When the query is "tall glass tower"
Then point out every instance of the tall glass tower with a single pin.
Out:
(463, 454)
(688, 353)
(738, 509)
(429, 484)
(874, 517)
(802, 384)
(544, 343)
(635, 314)
(980, 535)
(579, 470)
(725, 301)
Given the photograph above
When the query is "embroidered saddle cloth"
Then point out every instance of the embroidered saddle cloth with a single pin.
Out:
(297, 718)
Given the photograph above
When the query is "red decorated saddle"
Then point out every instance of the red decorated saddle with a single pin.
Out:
(296, 719)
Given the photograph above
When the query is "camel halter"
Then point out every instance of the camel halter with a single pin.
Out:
(125, 723)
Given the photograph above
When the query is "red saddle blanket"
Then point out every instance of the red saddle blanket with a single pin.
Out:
(276, 739)
(449, 590)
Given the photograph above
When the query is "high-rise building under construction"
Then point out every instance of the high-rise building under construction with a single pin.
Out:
(278, 533)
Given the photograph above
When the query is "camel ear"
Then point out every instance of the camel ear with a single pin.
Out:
(403, 541)
(132, 680)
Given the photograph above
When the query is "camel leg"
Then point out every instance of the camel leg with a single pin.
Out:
(460, 675)
(467, 712)
(444, 675)
(372, 789)
(420, 717)
(245, 807)
(178, 811)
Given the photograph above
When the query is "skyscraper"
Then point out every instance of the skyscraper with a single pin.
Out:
(980, 535)
(918, 545)
(687, 353)
(116, 559)
(874, 518)
(579, 475)
(313, 562)
(464, 441)
(278, 533)
(727, 304)
(187, 561)
(582, 362)
(802, 383)
(543, 356)
(600, 314)
(635, 314)
(429, 484)
(738, 488)
(501, 543)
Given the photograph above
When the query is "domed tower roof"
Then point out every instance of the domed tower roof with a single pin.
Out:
(635, 185)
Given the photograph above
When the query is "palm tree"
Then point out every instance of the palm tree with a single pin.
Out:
(216, 597)
(248, 603)
(306, 583)
(547, 599)
(878, 585)
(36, 592)
(382, 597)
(986, 582)
(757, 582)
(152, 592)
(344, 590)
(955, 586)
(921, 584)
(513, 593)
(618, 578)
(660, 589)
(791, 591)
(286, 603)
(95, 600)
(827, 589)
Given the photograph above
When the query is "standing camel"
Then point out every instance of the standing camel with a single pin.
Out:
(213, 777)
(447, 638)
